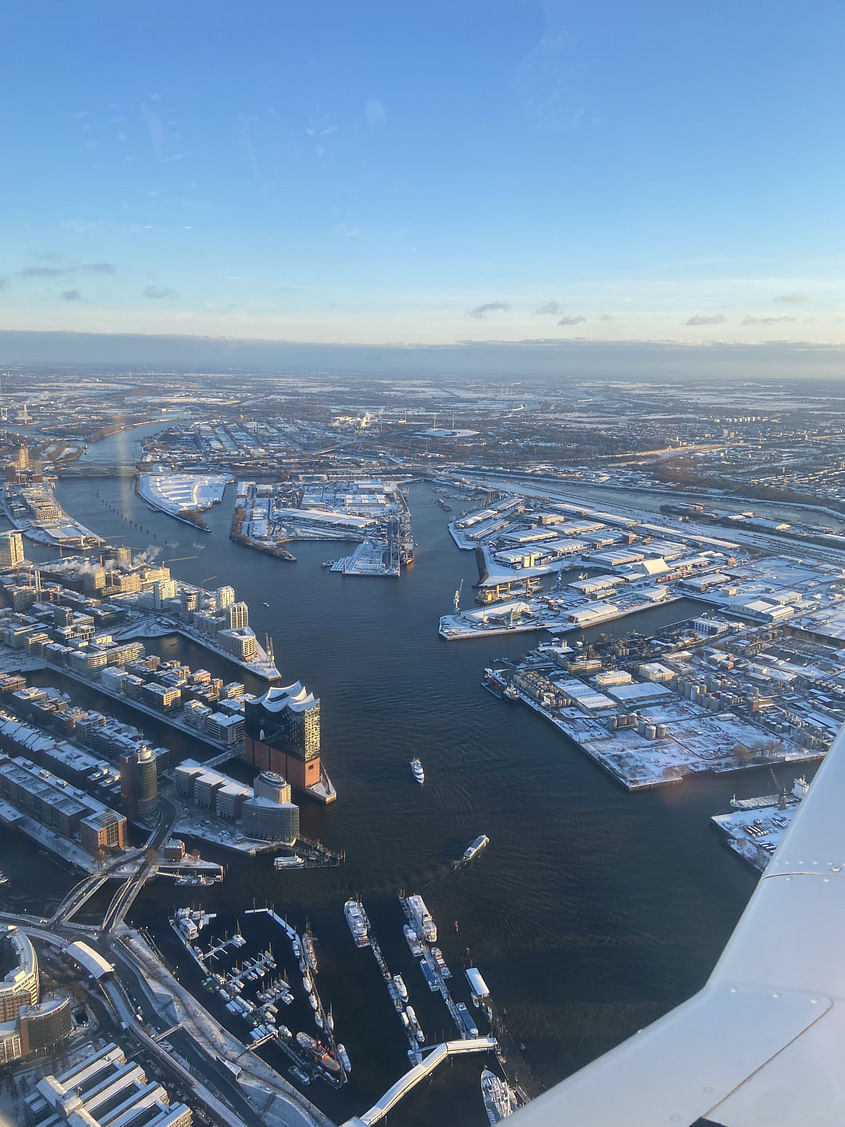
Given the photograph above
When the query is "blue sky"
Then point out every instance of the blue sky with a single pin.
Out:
(384, 172)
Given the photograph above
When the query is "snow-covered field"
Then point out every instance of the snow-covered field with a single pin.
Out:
(175, 492)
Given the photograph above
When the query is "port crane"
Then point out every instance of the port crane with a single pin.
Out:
(458, 597)
(781, 790)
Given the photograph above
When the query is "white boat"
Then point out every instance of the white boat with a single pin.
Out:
(401, 988)
(288, 863)
(412, 940)
(415, 1025)
(499, 1098)
(421, 919)
(474, 848)
(343, 1057)
(356, 917)
(308, 949)
(417, 771)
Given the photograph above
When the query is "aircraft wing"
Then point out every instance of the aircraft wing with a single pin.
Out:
(763, 1043)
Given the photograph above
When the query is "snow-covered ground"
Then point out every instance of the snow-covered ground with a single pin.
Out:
(696, 740)
(174, 493)
(755, 834)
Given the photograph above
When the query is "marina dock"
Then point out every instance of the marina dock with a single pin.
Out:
(404, 1012)
(436, 972)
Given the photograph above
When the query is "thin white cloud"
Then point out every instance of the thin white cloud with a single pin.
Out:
(767, 320)
(490, 307)
(706, 319)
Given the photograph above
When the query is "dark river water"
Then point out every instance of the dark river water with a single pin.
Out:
(591, 912)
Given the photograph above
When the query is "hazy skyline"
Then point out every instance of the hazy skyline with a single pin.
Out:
(470, 171)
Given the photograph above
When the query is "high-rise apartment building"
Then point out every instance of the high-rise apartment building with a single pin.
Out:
(11, 549)
(224, 596)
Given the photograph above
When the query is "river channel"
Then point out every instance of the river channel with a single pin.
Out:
(591, 912)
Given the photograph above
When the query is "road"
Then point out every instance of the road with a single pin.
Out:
(125, 896)
(186, 1062)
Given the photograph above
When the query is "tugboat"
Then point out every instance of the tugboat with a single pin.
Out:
(417, 771)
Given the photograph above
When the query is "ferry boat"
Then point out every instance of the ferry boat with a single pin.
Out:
(470, 1028)
(499, 1098)
(474, 848)
(358, 924)
(280, 863)
(417, 771)
(421, 919)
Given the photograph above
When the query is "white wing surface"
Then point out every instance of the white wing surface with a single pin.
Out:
(763, 1043)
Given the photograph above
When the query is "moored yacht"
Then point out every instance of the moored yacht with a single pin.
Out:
(499, 1098)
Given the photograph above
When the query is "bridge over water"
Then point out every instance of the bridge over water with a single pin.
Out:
(405, 1083)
